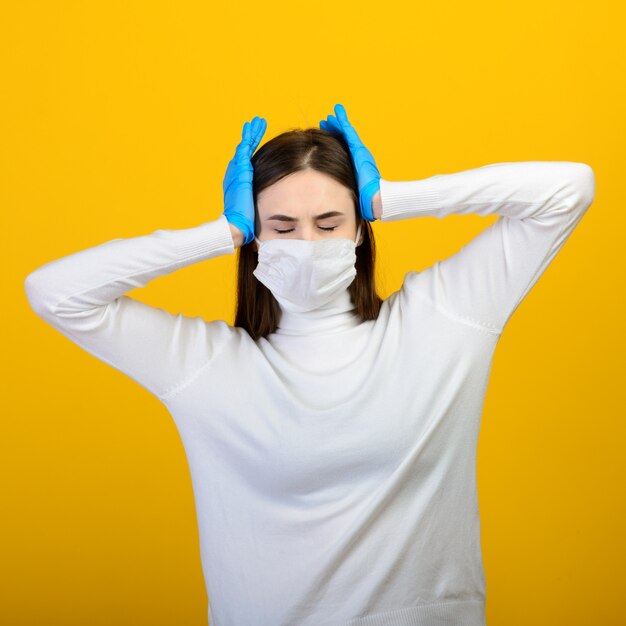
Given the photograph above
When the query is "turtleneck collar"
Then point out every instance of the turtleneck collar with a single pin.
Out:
(337, 315)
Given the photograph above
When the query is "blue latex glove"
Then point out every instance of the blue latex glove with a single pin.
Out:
(368, 176)
(238, 196)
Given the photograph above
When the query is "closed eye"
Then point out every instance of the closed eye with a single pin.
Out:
(292, 229)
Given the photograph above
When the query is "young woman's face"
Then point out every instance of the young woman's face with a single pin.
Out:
(306, 205)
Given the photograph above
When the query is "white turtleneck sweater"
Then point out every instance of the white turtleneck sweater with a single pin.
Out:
(333, 463)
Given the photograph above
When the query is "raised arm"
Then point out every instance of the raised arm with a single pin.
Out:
(539, 204)
(83, 297)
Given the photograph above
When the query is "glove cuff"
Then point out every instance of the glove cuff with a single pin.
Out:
(366, 195)
(243, 226)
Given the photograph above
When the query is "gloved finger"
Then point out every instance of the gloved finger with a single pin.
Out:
(332, 125)
(350, 133)
(342, 115)
(254, 128)
(261, 127)
(245, 135)
(240, 150)
(239, 159)
(244, 151)
(324, 125)
(251, 136)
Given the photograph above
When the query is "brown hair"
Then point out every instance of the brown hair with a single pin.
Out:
(257, 311)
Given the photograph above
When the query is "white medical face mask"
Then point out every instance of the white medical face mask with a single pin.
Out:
(304, 275)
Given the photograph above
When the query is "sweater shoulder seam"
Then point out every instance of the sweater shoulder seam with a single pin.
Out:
(467, 321)
(179, 386)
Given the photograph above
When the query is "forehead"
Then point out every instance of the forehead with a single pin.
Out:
(303, 191)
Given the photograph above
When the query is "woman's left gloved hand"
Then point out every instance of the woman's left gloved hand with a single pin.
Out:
(368, 176)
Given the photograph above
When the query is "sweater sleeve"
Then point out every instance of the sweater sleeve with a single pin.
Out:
(83, 297)
(539, 204)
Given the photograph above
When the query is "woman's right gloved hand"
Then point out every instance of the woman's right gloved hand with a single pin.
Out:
(238, 196)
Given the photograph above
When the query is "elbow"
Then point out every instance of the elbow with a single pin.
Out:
(583, 185)
(35, 293)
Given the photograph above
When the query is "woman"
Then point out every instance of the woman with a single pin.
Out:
(331, 435)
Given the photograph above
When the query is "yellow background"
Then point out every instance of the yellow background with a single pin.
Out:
(119, 118)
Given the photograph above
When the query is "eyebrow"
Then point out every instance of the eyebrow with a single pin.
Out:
(288, 218)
